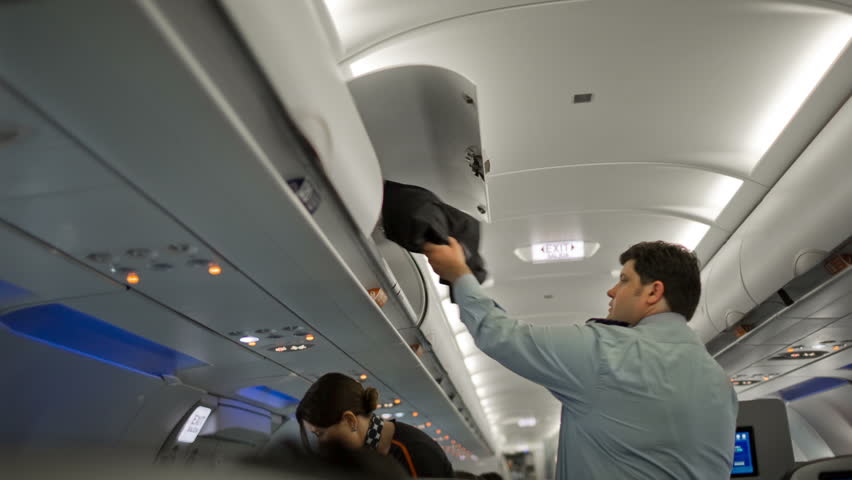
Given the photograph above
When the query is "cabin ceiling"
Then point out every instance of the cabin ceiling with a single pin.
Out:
(692, 120)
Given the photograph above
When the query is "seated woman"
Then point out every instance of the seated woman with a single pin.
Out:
(337, 409)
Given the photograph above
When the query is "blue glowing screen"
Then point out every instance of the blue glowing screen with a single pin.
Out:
(744, 456)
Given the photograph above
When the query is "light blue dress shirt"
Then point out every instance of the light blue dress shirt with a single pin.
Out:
(646, 402)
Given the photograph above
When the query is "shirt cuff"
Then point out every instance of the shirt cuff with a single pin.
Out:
(465, 287)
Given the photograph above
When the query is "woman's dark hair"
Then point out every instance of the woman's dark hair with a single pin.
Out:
(675, 266)
(329, 397)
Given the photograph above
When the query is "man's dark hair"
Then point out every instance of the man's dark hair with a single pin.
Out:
(675, 266)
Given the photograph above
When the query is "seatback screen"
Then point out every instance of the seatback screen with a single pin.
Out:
(745, 458)
(835, 475)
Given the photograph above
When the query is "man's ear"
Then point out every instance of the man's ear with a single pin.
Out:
(656, 292)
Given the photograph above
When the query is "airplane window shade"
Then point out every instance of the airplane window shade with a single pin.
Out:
(745, 458)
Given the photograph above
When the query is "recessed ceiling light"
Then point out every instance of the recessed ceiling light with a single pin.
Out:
(249, 339)
(527, 422)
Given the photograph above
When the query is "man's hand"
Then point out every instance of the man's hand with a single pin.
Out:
(447, 260)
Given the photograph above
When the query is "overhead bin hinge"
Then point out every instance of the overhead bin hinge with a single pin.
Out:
(475, 161)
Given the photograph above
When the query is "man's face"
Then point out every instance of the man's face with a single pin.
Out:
(629, 302)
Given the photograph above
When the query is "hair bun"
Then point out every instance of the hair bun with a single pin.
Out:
(370, 398)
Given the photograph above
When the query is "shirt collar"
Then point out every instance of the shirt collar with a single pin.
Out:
(669, 326)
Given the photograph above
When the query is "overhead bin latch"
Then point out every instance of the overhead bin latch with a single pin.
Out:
(475, 162)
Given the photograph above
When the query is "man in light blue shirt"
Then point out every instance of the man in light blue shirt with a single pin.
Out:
(641, 397)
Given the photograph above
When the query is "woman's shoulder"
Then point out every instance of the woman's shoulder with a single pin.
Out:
(427, 456)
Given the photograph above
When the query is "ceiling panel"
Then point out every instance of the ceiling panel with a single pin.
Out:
(570, 294)
(40, 159)
(742, 356)
(796, 331)
(679, 68)
(363, 23)
(615, 231)
(81, 222)
(772, 328)
(44, 273)
(676, 189)
(837, 289)
(845, 322)
(837, 309)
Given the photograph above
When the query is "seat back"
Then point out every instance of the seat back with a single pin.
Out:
(837, 468)
(769, 441)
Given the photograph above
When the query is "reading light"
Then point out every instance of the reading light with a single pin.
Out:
(397, 401)
(309, 337)
(415, 414)
(249, 339)
(438, 431)
(132, 278)
(428, 424)
(363, 377)
(214, 269)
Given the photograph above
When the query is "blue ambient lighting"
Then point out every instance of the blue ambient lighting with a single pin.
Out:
(77, 332)
(267, 396)
(811, 387)
(11, 293)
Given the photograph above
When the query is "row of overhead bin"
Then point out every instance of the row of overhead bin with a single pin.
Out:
(805, 215)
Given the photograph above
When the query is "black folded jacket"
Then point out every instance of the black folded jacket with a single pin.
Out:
(412, 216)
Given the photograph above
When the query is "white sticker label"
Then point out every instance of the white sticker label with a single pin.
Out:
(193, 425)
